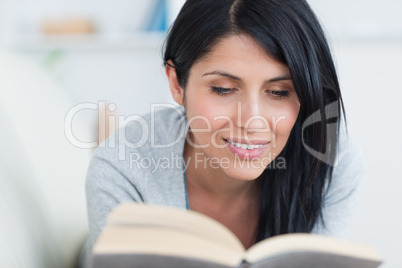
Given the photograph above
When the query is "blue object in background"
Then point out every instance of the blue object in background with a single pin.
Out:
(158, 17)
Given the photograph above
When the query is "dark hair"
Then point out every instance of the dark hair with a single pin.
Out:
(291, 199)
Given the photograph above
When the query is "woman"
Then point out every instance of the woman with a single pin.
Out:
(257, 135)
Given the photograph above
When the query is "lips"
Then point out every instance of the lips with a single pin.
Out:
(247, 149)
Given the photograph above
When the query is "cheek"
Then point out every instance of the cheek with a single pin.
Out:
(284, 120)
(200, 113)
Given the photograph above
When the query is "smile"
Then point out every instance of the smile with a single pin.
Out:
(245, 146)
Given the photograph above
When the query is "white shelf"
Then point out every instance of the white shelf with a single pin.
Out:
(142, 41)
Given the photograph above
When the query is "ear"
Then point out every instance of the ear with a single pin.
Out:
(175, 89)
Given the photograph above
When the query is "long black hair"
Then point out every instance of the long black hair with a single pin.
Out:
(288, 30)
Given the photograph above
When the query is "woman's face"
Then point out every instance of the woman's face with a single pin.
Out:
(241, 106)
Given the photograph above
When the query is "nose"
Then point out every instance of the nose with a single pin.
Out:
(250, 115)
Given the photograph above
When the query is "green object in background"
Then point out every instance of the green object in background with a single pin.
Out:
(53, 59)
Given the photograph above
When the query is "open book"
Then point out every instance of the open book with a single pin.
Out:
(154, 236)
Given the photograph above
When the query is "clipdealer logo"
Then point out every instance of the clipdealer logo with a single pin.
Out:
(148, 130)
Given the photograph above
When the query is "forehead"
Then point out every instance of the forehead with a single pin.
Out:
(242, 55)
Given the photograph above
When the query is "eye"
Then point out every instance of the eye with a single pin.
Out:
(223, 90)
(279, 94)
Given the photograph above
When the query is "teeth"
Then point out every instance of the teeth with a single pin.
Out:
(245, 146)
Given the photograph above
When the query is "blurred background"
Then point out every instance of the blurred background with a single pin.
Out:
(55, 55)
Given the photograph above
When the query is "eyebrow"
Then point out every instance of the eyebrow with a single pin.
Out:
(279, 78)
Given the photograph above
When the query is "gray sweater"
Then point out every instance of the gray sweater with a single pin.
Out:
(144, 163)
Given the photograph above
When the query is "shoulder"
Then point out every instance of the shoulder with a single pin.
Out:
(143, 158)
(162, 127)
(342, 191)
(349, 166)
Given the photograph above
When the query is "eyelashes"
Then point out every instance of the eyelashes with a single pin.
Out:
(279, 94)
(275, 94)
(221, 91)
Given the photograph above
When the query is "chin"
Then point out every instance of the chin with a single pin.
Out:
(245, 174)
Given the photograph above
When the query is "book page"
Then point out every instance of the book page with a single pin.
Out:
(288, 243)
(133, 214)
(154, 241)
